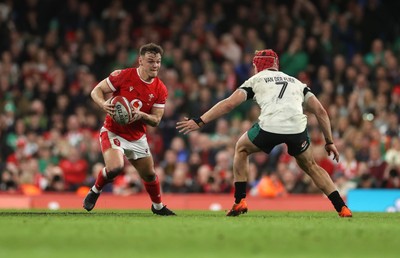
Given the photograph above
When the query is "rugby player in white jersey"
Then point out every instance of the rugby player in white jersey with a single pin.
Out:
(281, 98)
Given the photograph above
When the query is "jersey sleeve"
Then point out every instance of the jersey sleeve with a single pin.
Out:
(161, 97)
(115, 79)
(307, 92)
(247, 87)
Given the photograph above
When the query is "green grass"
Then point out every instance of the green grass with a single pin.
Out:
(138, 233)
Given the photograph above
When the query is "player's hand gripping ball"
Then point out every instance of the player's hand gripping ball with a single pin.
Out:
(135, 107)
(123, 111)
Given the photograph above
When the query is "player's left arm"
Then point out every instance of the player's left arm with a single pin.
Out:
(314, 106)
(157, 111)
(153, 119)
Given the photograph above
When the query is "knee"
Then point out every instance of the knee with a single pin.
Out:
(309, 166)
(240, 150)
(312, 168)
(114, 172)
(149, 177)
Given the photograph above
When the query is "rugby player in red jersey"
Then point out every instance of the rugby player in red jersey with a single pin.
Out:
(147, 95)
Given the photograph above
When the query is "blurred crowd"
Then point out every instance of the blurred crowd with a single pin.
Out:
(52, 54)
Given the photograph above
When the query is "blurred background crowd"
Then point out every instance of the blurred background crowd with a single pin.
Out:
(52, 54)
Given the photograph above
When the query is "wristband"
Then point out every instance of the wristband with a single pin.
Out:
(198, 121)
(328, 142)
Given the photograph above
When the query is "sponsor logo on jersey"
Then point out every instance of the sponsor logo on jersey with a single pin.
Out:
(136, 103)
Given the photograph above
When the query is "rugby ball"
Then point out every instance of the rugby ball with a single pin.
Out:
(123, 111)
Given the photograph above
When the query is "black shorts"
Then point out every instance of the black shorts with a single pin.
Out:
(266, 141)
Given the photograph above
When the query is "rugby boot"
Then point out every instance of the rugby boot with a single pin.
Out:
(90, 200)
(238, 209)
(345, 212)
(163, 212)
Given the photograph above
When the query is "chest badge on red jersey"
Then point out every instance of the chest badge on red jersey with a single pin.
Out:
(130, 88)
(151, 96)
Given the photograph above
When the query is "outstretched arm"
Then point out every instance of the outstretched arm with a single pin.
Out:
(314, 106)
(218, 110)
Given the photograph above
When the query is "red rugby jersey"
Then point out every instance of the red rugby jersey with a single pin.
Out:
(141, 94)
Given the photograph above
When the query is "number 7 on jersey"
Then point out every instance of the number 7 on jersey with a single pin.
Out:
(284, 85)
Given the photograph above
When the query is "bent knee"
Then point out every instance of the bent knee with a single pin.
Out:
(241, 148)
(308, 165)
(114, 172)
(149, 177)
(245, 147)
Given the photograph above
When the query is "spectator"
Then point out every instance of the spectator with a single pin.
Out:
(181, 182)
(392, 156)
(230, 49)
(204, 180)
(366, 182)
(294, 60)
(349, 166)
(391, 179)
(270, 187)
(75, 169)
(9, 181)
(222, 173)
(178, 145)
(53, 180)
(46, 158)
(376, 56)
(169, 163)
(376, 165)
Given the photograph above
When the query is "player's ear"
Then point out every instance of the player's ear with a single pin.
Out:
(140, 60)
(255, 69)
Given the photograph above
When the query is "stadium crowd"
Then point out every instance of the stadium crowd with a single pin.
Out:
(53, 54)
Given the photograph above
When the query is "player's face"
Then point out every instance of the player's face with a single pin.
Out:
(151, 64)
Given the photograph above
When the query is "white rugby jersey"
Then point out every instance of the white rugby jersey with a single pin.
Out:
(280, 98)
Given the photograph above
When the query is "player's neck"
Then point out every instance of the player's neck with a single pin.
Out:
(145, 77)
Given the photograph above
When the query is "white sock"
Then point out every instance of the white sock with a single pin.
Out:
(94, 189)
(158, 206)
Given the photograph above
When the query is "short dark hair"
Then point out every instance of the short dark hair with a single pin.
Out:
(152, 48)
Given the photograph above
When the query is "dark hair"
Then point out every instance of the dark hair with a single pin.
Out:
(152, 48)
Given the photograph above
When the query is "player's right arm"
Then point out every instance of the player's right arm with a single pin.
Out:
(218, 110)
(98, 95)
(224, 106)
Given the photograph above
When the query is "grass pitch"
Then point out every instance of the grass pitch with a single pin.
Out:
(138, 233)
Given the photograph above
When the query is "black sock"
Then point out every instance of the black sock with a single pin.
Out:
(240, 191)
(336, 200)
